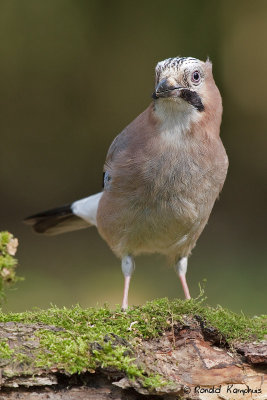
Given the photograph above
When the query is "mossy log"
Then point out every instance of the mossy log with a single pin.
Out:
(153, 352)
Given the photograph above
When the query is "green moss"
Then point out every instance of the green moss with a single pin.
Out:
(4, 240)
(22, 358)
(92, 338)
(8, 264)
(5, 351)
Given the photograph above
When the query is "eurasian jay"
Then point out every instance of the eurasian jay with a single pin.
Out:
(162, 174)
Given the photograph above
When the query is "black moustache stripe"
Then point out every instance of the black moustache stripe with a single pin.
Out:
(192, 98)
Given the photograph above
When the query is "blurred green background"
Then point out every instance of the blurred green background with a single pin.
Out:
(73, 74)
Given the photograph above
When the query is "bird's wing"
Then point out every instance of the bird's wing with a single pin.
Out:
(131, 137)
(120, 143)
(128, 149)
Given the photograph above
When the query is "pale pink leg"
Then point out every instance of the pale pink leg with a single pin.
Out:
(125, 292)
(181, 268)
(185, 287)
(127, 266)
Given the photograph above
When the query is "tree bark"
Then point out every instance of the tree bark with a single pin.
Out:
(194, 360)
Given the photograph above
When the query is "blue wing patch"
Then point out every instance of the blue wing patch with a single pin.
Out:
(106, 180)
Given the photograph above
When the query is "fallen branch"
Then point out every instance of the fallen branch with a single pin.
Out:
(183, 356)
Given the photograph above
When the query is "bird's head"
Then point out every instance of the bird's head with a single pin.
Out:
(186, 84)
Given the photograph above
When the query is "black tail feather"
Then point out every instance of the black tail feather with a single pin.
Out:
(59, 211)
(56, 221)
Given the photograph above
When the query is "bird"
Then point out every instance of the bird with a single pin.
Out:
(162, 174)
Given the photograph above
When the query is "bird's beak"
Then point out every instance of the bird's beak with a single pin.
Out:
(166, 89)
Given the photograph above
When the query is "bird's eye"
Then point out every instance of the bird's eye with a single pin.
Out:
(195, 77)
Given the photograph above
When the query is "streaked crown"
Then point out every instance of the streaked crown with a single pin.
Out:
(174, 65)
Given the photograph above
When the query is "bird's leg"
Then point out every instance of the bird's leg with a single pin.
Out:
(180, 269)
(127, 266)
